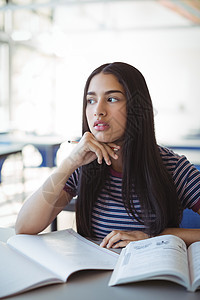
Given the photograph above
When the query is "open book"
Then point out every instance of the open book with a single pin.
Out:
(30, 261)
(163, 257)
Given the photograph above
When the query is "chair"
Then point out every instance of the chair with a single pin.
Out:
(198, 167)
(1, 165)
(190, 219)
(7, 149)
(69, 207)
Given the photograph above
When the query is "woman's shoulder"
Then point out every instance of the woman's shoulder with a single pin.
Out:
(171, 159)
(167, 153)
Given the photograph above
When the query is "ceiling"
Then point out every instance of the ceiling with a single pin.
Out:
(188, 9)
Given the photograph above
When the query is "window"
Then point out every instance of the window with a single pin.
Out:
(4, 84)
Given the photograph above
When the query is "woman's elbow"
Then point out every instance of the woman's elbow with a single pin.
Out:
(21, 228)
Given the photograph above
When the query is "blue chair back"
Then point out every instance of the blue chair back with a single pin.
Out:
(197, 166)
(190, 219)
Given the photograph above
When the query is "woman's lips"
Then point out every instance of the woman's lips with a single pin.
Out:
(100, 126)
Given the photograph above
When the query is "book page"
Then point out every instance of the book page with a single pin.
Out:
(64, 252)
(17, 273)
(163, 257)
(194, 264)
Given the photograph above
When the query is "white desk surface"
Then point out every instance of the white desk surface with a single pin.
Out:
(93, 285)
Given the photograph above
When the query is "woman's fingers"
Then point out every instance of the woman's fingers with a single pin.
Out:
(89, 149)
(102, 150)
(121, 244)
(114, 147)
(105, 152)
(112, 150)
(111, 238)
(119, 238)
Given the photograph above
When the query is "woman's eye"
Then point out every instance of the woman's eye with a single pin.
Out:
(111, 99)
(90, 101)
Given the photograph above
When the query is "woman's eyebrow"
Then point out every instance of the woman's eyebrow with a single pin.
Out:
(113, 91)
(107, 92)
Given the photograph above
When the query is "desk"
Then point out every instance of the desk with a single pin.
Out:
(93, 285)
(6, 150)
(46, 145)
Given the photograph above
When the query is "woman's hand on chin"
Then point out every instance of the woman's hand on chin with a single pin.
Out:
(89, 148)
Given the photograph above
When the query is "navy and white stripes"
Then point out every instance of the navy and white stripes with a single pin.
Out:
(109, 212)
(186, 178)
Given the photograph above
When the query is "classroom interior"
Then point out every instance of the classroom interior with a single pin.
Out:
(47, 50)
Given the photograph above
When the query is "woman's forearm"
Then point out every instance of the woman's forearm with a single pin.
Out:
(43, 205)
(188, 235)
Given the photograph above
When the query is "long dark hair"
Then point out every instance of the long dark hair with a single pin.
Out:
(143, 170)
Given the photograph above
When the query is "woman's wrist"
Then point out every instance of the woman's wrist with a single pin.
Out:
(68, 165)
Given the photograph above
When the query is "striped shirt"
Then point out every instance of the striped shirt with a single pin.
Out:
(109, 212)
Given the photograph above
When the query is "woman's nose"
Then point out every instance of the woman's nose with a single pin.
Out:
(100, 109)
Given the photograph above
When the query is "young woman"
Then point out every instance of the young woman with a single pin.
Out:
(128, 187)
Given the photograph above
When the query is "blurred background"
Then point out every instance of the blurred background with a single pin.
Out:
(47, 50)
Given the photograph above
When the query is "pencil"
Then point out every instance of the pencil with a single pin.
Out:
(76, 142)
(73, 142)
